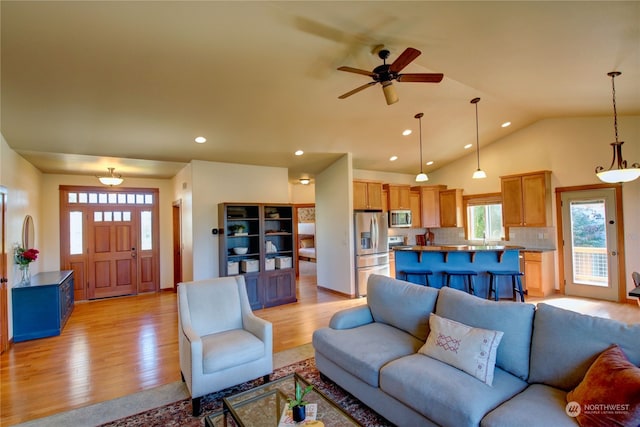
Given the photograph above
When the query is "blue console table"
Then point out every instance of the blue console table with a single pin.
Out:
(42, 307)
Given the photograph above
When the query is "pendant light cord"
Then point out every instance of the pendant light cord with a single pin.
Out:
(477, 137)
(615, 112)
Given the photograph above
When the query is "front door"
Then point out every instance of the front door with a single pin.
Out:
(4, 318)
(112, 253)
(590, 230)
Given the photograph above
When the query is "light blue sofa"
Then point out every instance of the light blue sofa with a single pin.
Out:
(371, 351)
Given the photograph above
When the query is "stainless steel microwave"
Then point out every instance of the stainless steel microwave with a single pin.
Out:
(400, 218)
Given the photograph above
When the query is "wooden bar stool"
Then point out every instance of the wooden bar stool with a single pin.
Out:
(516, 283)
(407, 274)
(467, 278)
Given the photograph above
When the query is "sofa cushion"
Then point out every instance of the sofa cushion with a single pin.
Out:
(565, 344)
(537, 406)
(366, 349)
(515, 319)
(230, 349)
(401, 304)
(472, 350)
(445, 395)
(611, 380)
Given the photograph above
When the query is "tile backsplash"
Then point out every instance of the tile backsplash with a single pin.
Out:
(529, 237)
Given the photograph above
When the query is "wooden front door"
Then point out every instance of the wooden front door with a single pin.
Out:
(112, 253)
(109, 237)
(4, 319)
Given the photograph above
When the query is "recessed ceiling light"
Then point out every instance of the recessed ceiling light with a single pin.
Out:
(468, 146)
(406, 132)
(201, 139)
(430, 162)
(506, 124)
(299, 153)
(393, 158)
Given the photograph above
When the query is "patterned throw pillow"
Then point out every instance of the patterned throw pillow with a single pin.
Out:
(472, 350)
(609, 393)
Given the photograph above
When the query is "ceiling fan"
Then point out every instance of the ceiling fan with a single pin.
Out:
(386, 73)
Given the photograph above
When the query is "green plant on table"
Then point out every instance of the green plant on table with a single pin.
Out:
(300, 393)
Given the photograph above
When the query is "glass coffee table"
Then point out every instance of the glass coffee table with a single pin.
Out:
(263, 406)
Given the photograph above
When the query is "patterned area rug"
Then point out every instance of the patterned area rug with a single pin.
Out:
(178, 414)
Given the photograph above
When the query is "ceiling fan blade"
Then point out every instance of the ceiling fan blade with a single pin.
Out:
(404, 59)
(356, 90)
(421, 77)
(357, 71)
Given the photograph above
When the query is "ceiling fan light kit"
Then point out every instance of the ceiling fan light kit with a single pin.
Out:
(421, 177)
(618, 171)
(385, 74)
(111, 179)
(479, 173)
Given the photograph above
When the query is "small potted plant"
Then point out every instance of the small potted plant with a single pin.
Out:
(237, 229)
(297, 405)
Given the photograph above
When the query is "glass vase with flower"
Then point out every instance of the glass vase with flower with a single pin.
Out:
(23, 258)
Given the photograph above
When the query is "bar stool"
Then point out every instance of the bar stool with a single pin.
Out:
(467, 278)
(406, 275)
(516, 283)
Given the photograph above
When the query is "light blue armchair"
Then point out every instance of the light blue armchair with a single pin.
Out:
(221, 342)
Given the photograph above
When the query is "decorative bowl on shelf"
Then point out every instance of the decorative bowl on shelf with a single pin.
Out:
(240, 251)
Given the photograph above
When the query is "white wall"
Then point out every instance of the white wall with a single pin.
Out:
(215, 183)
(23, 184)
(334, 225)
(299, 194)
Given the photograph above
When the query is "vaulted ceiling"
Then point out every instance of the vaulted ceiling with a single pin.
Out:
(91, 85)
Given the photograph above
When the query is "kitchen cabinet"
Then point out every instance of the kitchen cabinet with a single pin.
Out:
(42, 307)
(539, 273)
(429, 204)
(367, 195)
(451, 208)
(526, 199)
(398, 196)
(414, 202)
(267, 233)
(385, 200)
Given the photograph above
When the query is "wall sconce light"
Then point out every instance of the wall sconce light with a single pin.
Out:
(620, 173)
(112, 179)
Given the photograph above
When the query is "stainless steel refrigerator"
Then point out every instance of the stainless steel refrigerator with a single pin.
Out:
(371, 247)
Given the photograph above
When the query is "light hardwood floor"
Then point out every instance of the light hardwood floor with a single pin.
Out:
(115, 347)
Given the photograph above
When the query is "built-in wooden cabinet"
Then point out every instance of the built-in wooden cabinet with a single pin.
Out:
(398, 196)
(429, 204)
(451, 208)
(538, 273)
(526, 199)
(267, 233)
(367, 195)
(385, 200)
(414, 202)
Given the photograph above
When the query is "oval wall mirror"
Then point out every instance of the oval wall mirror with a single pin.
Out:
(28, 232)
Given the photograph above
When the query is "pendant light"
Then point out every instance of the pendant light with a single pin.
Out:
(620, 173)
(421, 177)
(111, 179)
(479, 173)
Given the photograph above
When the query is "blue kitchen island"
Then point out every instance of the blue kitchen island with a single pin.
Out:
(478, 259)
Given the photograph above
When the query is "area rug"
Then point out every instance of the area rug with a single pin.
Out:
(178, 414)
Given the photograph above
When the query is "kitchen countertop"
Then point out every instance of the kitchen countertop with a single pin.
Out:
(458, 248)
